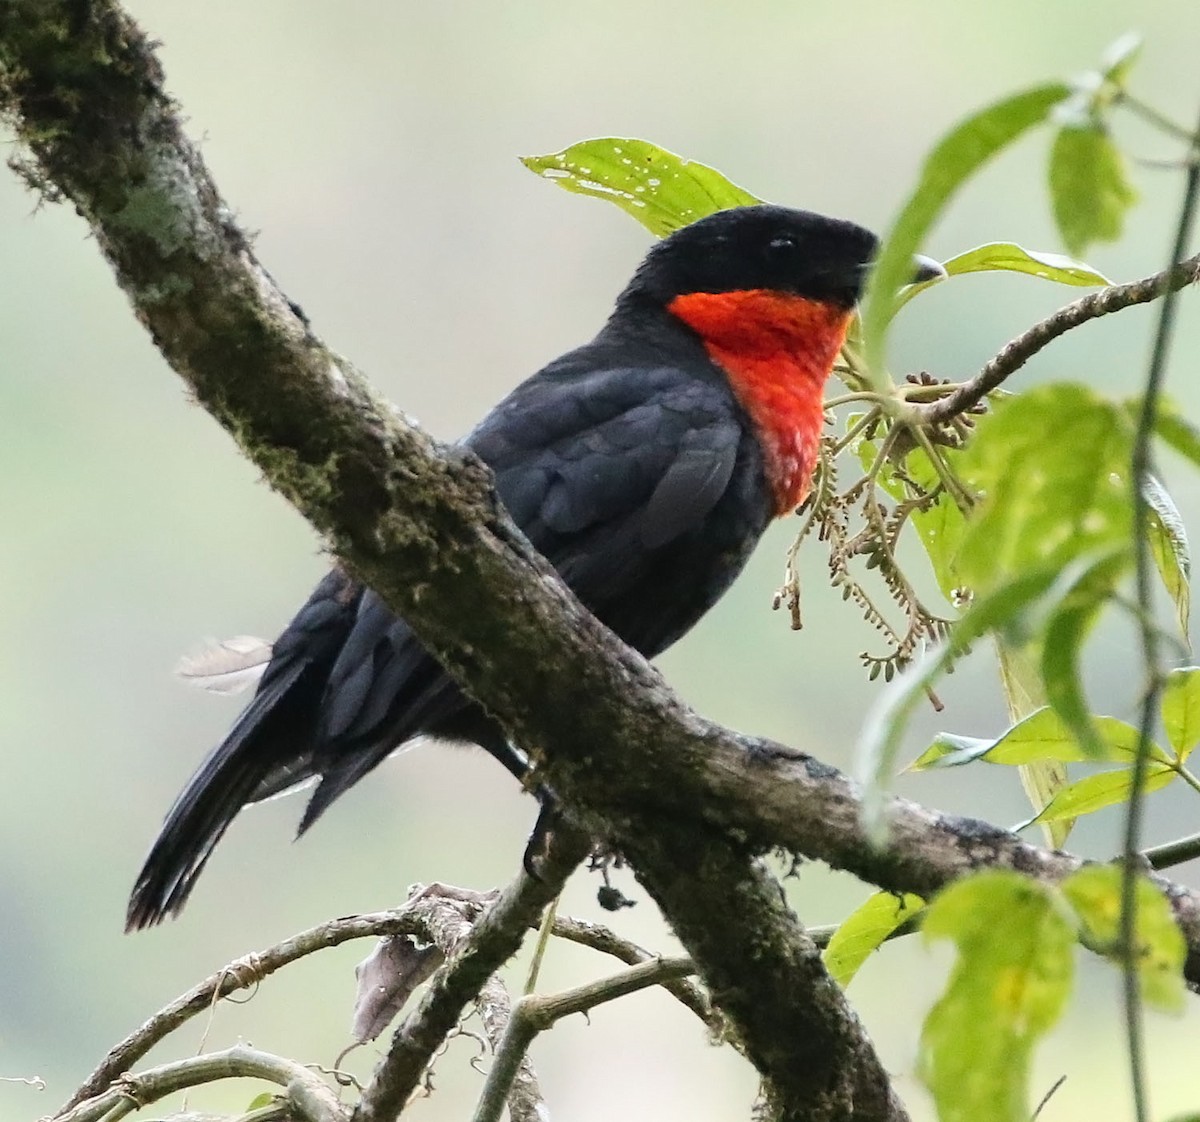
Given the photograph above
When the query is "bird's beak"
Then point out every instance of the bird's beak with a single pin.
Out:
(926, 269)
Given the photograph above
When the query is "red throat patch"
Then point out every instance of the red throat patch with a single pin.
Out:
(777, 351)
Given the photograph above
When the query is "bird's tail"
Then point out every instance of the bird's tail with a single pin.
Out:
(270, 748)
(268, 737)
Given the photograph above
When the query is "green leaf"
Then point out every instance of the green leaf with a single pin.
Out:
(1094, 792)
(1024, 694)
(1004, 610)
(1012, 258)
(951, 750)
(1089, 187)
(1008, 987)
(1181, 709)
(1119, 57)
(865, 930)
(1095, 894)
(1169, 547)
(957, 156)
(1063, 645)
(1041, 736)
(1048, 466)
(1176, 430)
(661, 190)
(941, 525)
(267, 1098)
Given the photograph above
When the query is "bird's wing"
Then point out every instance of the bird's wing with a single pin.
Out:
(600, 470)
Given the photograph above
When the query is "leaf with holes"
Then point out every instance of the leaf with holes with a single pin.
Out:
(661, 190)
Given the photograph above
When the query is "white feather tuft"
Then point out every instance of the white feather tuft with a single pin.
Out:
(227, 666)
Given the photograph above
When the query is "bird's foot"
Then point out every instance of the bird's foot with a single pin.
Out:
(543, 830)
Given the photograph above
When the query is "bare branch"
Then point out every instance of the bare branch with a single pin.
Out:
(242, 974)
(473, 957)
(535, 1013)
(1115, 298)
(450, 928)
(607, 941)
(309, 1097)
(522, 1092)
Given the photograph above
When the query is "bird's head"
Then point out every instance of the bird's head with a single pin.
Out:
(763, 248)
(770, 294)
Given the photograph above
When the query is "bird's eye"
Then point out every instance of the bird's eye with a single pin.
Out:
(782, 247)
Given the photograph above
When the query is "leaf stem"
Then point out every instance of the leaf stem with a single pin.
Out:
(1159, 120)
(1172, 853)
(1149, 635)
(954, 488)
(859, 395)
(1191, 780)
(868, 418)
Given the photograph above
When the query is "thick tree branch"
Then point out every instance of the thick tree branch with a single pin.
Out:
(689, 802)
(821, 1063)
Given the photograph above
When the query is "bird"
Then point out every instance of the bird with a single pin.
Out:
(644, 465)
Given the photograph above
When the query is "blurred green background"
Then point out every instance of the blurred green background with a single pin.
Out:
(372, 146)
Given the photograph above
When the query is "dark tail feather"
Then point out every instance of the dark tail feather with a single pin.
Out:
(430, 705)
(231, 777)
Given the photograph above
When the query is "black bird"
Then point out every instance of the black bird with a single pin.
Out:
(644, 465)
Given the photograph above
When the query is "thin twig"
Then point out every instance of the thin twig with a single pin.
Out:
(535, 1013)
(1115, 298)
(1172, 853)
(494, 939)
(1159, 120)
(309, 1096)
(1142, 468)
(1047, 1097)
(523, 1093)
(539, 950)
(241, 974)
(606, 941)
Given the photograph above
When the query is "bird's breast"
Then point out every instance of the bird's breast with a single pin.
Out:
(777, 351)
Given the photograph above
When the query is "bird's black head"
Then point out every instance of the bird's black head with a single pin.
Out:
(759, 247)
